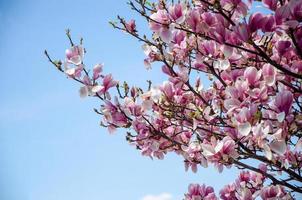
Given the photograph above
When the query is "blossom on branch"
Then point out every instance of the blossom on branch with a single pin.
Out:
(250, 114)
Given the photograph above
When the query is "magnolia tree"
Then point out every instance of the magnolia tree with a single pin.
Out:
(250, 117)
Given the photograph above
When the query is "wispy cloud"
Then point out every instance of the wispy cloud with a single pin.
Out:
(163, 196)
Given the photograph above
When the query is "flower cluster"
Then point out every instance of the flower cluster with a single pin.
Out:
(248, 186)
(97, 84)
(250, 113)
(200, 192)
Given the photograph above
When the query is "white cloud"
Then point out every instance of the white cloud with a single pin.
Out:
(163, 196)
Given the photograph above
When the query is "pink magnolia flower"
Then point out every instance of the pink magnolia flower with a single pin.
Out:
(240, 6)
(296, 9)
(191, 165)
(167, 89)
(160, 24)
(74, 55)
(177, 12)
(271, 4)
(210, 48)
(108, 82)
(194, 20)
(220, 33)
(255, 21)
(283, 46)
(193, 155)
(74, 72)
(274, 192)
(87, 81)
(269, 74)
(248, 177)
(228, 192)
(247, 113)
(252, 75)
(112, 115)
(118, 119)
(284, 101)
(282, 13)
(179, 37)
(222, 150)
(200, 192)
(131, 26)
(179, 43)
(268, 23)
(209, 19)
(151, 148)
(131, 108)
(231, 104)
(97, 70)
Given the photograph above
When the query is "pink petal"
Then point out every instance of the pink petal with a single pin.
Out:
(244, 128)
(278, 146)
(267, 152)
(83, 92)
(97, 88)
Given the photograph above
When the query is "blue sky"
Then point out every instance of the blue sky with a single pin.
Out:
(51, 146)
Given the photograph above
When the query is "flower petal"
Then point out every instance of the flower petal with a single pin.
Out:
(278, 146)
(244, 128)
(83, 92)
(97, 88)
(267, 152)
(281, 117)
